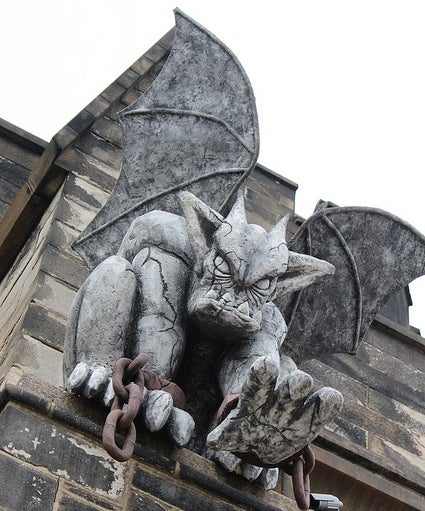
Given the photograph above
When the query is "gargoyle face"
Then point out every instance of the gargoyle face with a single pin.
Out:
(238, 268)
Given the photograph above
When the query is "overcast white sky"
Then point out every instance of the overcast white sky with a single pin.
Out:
(340, 85)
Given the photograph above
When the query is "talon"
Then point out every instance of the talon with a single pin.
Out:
(96, 382)
(300, 384)
(78, 376)
(157, 409)
(109, 394)
(226, 459)
(180, 426)
(250, 472)
(269, 478)
(329, 403)
(265, 370)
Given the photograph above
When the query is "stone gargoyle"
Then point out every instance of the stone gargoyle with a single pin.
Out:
(180, 275)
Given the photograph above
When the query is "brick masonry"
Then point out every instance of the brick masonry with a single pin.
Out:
(49, 445)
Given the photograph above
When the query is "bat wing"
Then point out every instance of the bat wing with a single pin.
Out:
(375, 254)
(195, 128)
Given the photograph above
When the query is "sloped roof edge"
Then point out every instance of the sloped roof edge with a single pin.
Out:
(44, 181)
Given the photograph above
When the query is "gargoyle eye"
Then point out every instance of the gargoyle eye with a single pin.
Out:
(263, 284)
(221, 266)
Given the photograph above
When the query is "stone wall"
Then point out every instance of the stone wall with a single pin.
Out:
(51, 452)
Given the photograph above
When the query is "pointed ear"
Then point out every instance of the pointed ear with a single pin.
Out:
(202, 222)
(302, 271)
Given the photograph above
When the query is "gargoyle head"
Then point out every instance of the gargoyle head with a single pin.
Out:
(240, 267)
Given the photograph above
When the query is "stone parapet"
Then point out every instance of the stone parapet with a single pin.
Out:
(50, 446)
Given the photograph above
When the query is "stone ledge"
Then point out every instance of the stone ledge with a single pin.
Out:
(182, 467)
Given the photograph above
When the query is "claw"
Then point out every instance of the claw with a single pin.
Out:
(300, 385)
(109, 395)
(269, 478)
(96, 382)
(264, 370)
(157, 409)
(251, 472)
(78, 376)
(227, 460)
(329, 403)
(180, 426)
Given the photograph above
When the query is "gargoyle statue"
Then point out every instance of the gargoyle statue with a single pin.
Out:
(222, 274)
(173, 274)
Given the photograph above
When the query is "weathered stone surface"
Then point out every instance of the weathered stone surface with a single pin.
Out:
(175, 493)
(68, 503)
(140, 501)
(202, 99)
(89, 168)
(86, 494)
(25, 488)
(376, 255)
(42, 324)
(28, 437)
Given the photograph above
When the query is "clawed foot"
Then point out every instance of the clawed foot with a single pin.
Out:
(271, 423)
(157, 411)
(268, 477)
(92, 382)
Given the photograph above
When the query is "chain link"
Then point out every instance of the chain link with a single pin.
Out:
(129, 381)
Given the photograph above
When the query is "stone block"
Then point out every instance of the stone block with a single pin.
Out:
(404, 415)
(109, 130)
(349, 431)
(40, 359)
(31, 438)
(392, 366)
(100, 149)
(140, 501)
(74, 490)
(325, 375)
(4, 206)
(65, 136)
(392, 345)
(81, 121)
(23, 487)
(84, 193)
(18, 154)
(62, 236)
(141, 66)
(175, 493)
(113, 92)
(128, 78)
(41, 324)
(85, 166)
(156, 53)
(130, 96)
(13, 172)
(73, 214)
(98, 106)
(70, 269)
(378, 381)
(8, 191)
(53, 294)
(68, 503)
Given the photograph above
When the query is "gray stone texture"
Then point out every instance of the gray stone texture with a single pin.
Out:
(376, 255)
(207, 141)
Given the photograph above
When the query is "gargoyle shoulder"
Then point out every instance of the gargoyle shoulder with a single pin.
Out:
(159, 229)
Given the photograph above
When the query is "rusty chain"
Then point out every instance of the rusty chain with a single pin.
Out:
(129, 382)
(299, 466)
(125, 406)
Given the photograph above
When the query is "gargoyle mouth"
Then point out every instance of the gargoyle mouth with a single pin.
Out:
(223, 315)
